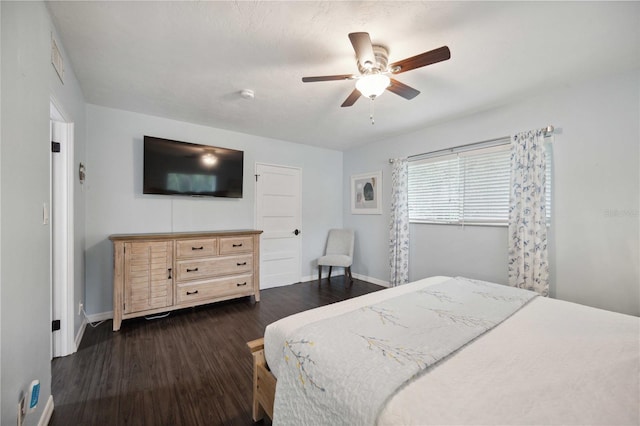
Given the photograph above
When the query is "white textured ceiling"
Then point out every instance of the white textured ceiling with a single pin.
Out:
(189, 60)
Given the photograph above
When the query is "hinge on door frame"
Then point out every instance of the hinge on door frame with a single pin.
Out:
(256, 177)
(55, 146)
(55, 325)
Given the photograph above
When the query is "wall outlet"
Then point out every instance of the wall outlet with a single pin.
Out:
(80, 306)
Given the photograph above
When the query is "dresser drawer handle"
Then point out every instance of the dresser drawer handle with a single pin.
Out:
(169, 277)
(189, 293)
(237, 245)
(197, 248)
(192, 270)
(241, 284)
(241, 264)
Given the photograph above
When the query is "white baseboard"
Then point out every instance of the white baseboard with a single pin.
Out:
(102, 316)
(358, 276)
(334, 274)
(81, 330)
(309, 278)
(324, 275)
(45, 418)
(371, 280)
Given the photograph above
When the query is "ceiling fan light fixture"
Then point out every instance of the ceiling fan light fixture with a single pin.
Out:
(373, 85)
(209, 159)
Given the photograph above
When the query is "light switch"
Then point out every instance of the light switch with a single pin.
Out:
(45, 214)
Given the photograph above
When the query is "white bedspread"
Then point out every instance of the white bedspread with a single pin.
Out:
(552, 362)
(380, 347)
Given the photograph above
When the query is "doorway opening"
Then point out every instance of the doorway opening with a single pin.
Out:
(62, 232)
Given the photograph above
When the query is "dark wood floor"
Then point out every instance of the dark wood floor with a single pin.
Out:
(191, 368)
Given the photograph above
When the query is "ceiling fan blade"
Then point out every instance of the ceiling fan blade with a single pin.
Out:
(328, 78)
(427, 58)
(353, 97)
(402, 89)
(364, 49)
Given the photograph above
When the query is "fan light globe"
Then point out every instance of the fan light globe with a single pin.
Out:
(209, 160)
(372, 85)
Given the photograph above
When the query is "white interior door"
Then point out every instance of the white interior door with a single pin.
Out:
(278, 215)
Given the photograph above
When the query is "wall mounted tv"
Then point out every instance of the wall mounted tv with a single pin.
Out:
(181, 168)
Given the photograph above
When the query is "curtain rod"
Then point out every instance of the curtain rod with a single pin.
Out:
(482, 144)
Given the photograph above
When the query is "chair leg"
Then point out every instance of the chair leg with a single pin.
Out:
(350, 276)
(330, 268)
(319, 274)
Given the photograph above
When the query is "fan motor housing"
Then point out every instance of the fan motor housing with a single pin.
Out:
(381, 54)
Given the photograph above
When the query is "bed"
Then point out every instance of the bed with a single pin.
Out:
(547, 362)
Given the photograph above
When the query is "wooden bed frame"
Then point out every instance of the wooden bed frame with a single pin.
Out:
(264, 382)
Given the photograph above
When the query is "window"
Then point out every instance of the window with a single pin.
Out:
(468, 187)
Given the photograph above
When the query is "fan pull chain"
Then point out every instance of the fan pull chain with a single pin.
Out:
(371, 111)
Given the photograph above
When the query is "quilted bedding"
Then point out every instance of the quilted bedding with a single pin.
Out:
(552, 362)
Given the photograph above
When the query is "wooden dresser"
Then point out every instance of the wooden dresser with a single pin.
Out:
(156, 273)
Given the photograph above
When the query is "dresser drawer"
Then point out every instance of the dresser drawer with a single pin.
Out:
(213, 267)
(239, 285)
(231, 245)
(196, 248)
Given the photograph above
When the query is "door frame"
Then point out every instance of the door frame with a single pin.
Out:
(62, 247)
(255, 221)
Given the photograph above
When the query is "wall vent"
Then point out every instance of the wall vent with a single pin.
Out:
(56, 59)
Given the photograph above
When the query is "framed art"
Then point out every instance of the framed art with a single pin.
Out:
(366, 193)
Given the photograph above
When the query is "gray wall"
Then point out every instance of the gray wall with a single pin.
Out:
(595, 229)
(115, 203)
(25, 176)
(25, 307)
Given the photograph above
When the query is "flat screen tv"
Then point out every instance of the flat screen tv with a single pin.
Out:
(181, 168)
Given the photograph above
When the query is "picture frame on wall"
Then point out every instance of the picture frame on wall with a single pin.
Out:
(366, 193)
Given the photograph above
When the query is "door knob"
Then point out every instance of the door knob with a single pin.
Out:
(296, 231)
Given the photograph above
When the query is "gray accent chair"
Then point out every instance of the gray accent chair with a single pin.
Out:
(339, 252)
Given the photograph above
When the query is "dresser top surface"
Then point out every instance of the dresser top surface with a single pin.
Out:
(177, 235)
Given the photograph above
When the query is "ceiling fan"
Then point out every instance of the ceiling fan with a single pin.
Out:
(375, 72)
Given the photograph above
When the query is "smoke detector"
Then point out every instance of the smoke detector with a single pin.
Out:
(247, 94)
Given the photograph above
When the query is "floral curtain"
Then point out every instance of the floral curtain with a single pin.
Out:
(399, 226)
(528, 259)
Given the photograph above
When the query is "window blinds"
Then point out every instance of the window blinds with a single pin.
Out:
(469, 187)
